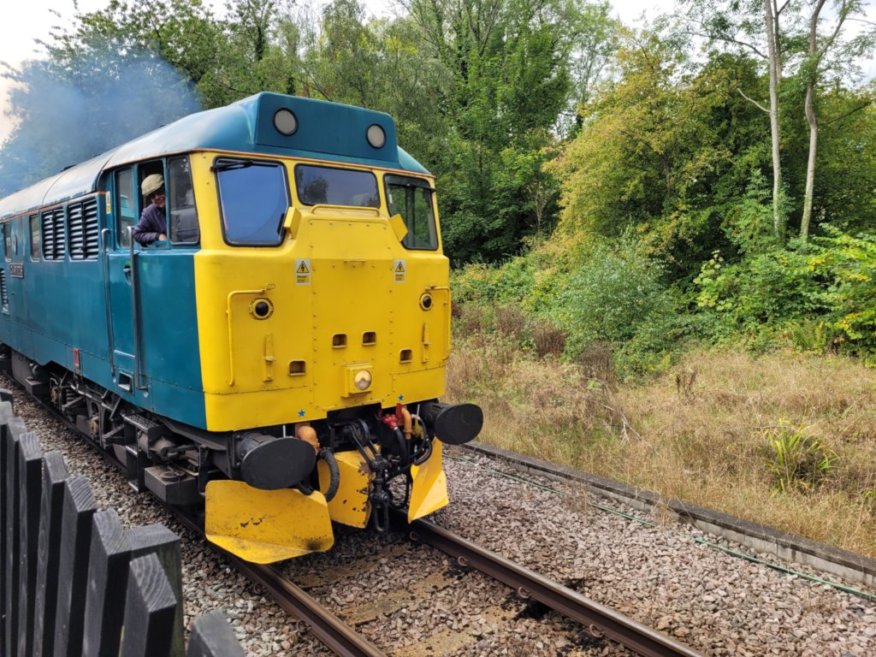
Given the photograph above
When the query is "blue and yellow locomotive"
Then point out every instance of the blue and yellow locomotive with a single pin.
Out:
(280, 356)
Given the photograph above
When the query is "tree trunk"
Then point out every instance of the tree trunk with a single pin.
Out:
(811, 118)
(775, 66)
(810, 163)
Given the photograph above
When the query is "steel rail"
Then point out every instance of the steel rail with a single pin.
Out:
(632, 635)
(336, 635)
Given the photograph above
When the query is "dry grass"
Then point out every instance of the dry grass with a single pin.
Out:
(701, 433)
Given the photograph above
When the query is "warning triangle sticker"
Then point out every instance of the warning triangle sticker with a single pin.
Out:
(302, 268)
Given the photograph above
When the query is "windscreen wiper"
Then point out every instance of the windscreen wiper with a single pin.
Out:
(228, 165)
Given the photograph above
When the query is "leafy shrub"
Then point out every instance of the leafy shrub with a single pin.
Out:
(487, 284)
(765, 290)
(847, 264)
(819, 296)
(610, 297)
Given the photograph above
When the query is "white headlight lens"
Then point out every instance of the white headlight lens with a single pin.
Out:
(285, 121)
(376, 136)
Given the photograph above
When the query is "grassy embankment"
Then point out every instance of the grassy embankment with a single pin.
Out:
(784, 439)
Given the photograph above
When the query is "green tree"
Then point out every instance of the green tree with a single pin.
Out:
(665, 153)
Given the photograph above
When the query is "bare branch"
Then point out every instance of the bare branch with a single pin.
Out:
(753, 102)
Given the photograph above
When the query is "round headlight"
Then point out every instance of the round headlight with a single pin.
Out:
(285, 121)
(362, 380)
(376, 136)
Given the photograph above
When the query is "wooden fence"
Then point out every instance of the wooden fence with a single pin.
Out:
(73, 581)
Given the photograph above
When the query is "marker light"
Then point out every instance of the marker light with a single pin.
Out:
(285, 121)
(376, 136)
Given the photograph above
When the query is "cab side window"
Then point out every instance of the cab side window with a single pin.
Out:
(35, 237)
(182, 214)
(7, 241)
(412, 199)
(126, 205)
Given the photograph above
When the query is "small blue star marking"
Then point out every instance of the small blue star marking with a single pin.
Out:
(301, 413)
(401, 397)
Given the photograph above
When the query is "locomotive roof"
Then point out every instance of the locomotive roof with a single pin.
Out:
(325, 131)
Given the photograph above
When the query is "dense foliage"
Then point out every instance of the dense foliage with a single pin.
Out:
(619, 186)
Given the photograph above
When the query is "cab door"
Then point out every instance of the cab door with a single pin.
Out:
(122, 209)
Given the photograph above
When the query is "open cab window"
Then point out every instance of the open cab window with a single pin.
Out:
(253, 198)
(182, 214)
(412, 199)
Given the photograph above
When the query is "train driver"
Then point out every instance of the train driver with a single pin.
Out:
(153, 221)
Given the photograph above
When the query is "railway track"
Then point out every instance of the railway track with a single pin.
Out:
(598, 620)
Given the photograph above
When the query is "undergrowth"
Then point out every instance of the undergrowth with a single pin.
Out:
(786, 439)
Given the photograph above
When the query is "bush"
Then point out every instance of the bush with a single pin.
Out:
(818, 296)
(615, 294)
(848, 265)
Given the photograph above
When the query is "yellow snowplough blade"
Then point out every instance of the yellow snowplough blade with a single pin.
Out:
(350, 505)
(264, 526)
(429, 492)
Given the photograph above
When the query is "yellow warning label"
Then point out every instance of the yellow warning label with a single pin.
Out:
(302, 271)
(400, 270)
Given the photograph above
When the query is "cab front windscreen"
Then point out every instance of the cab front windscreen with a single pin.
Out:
(253, 199)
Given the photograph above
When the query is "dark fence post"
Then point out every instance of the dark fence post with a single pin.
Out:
(163, 543)
(30, 469)
(13, 533)
(107, 581)
(49, 554)
(150, 610)
(212, 636)
(5, 417)
(79, 508)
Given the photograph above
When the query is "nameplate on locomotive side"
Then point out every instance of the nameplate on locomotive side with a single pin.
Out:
(16, 269)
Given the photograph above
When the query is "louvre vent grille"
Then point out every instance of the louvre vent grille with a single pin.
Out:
(4, 295)
(84, 233)
(48, 237)
(77, 231)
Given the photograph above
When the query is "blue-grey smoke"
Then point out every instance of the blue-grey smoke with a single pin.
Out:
(69, 113)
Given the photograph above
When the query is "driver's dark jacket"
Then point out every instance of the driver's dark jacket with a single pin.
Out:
(152, 224)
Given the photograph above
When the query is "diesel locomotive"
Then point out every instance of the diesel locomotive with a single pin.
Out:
(277, 361)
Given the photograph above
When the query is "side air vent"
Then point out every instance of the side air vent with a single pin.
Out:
(77, 231)
(48, 237)
(58, 230)
(53, 234)
(92, 230)
(4, 295)
(83, 230)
